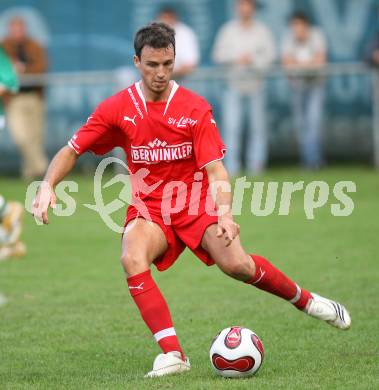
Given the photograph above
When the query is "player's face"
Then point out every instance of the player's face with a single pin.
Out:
(300, 29)
(168, 18)
(156, 67)
(245, 9)
(17, 29)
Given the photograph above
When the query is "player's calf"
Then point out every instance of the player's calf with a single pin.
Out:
(269, 278)
(253, 269)
(272, 280)
(154, 311)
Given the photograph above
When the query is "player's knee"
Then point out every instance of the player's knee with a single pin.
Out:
(133, 264)
(239, 268)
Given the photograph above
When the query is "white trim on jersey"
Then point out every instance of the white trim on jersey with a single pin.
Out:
(69, 143)
(140, 94)
(164, 333)
(217, 159)
(175, 87)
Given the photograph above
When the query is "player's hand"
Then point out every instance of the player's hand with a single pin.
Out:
(227, 228)
(45, 197)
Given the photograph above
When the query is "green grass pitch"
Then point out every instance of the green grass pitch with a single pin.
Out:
(70, 323)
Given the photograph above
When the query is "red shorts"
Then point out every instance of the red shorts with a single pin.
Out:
(184, 230)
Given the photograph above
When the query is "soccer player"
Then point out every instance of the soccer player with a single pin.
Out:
(169, 131)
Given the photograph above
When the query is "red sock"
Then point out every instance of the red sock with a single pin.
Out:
(270, 279)
(154, 310)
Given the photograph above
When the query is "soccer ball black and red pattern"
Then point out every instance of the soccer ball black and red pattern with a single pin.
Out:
(236, 352)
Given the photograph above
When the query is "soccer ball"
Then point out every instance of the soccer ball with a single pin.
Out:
(236, 352)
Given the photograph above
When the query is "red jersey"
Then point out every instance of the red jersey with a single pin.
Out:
(172, 139)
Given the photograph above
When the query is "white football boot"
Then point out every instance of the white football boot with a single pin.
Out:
(330, 311)
(168, 363)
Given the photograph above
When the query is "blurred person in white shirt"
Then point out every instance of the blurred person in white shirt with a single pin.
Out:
(304, 48)
(187, 47)
(244, 44)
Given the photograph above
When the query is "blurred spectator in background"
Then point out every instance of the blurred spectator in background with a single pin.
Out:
(304, 49)
(372, 52)
(187, 47)
(25, 110)
(241, 44)
(8, 83)
(11, 215)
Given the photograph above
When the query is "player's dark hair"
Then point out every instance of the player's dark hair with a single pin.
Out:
(301, 16)
(156, 35)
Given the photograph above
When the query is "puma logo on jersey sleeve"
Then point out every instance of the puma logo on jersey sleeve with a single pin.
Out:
(127, 118)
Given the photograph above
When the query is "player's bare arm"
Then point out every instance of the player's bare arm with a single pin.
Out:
(226, 228)
(61, 165)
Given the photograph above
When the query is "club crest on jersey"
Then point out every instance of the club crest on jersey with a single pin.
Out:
(182, 122)
(157, 151)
